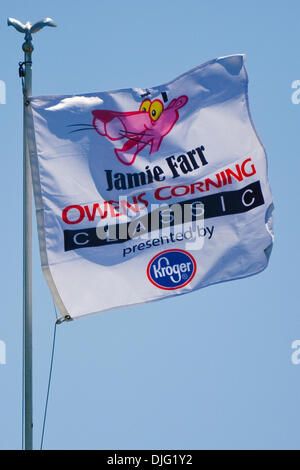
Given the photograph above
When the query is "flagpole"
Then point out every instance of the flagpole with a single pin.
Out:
(25, 71)
(27, 255)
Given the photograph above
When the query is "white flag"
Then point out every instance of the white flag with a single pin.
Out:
(143, 194)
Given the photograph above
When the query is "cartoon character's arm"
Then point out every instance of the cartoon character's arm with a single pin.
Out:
(155, 144)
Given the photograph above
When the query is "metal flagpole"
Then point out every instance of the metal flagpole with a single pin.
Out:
(25, 72)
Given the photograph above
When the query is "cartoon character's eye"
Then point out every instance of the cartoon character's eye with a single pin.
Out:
(145, 106)
(156, 109)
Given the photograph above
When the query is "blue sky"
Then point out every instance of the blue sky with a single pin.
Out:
(210, 370)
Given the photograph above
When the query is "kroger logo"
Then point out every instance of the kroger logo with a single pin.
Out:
(171, 269)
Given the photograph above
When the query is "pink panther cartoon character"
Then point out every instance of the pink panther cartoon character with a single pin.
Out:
(147, 126)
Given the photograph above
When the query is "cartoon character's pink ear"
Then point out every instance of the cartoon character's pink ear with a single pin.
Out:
(181, 101)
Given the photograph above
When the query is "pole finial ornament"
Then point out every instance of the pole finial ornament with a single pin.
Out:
(29, 28)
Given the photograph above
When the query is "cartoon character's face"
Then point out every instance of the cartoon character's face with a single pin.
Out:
(147, 126)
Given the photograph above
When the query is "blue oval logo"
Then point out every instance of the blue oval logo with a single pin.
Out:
(171, 269)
